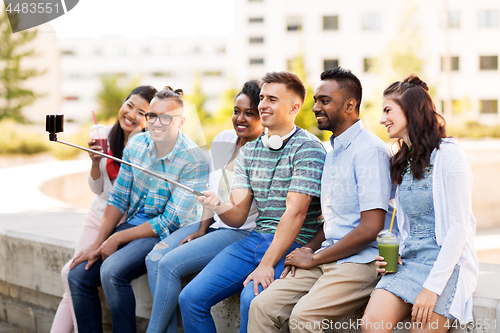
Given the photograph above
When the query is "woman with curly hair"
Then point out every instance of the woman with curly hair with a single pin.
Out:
(190, 249)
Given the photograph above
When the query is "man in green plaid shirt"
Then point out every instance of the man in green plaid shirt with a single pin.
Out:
(154, 209)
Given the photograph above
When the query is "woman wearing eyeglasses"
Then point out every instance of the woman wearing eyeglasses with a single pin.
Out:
(101, 179)
(190, 248)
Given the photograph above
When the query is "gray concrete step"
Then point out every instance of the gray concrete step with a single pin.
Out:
(6, 328)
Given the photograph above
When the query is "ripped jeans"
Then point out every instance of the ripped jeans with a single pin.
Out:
(168, 263)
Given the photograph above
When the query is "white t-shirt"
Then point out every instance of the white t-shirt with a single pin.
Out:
(221, 150)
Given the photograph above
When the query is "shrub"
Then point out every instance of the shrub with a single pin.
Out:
(473, 130)
(16, 140)
(63, 152)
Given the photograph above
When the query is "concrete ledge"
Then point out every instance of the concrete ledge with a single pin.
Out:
(38, 234)
(35, 243)
(31, 287)
(30, 290)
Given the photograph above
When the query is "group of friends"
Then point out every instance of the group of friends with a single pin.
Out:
(287, 225)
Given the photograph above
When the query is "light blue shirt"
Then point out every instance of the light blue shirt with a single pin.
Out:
(356, 178)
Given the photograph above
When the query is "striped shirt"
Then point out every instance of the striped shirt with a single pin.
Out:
(168, 206)
(270, 175)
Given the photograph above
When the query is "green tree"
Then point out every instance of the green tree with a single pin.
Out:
(113, 91)
(221, 120)
(401, 57)
(305, 119)
(13, 49)
(198, 99)
(226, 106)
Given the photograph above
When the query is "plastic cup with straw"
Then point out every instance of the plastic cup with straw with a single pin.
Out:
(388, 247)
(98, 133)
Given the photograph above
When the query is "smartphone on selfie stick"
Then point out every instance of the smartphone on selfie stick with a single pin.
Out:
(54, 123)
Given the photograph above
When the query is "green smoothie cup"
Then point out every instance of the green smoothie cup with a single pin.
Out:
(388, 247)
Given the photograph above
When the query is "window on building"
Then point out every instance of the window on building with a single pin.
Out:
(212, 73)
(256, 61)
(194, 50)
(68, 52)
(488, 18)
(255, 20)
(488, 106)
(454, 65)
(331, 22)
(488, 63)
(368, 64)
(256, 40)
(162, 74)
(456, 106)
(220, 49)
(72, 76)
(294, 23)
(453, 19)
(330, 63)
(372, 21)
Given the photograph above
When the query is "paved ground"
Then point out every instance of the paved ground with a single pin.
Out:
(6, 328)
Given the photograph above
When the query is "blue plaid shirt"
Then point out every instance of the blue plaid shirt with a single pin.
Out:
(167, 206)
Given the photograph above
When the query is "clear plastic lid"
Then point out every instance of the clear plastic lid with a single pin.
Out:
(98, 132)
(385, 236)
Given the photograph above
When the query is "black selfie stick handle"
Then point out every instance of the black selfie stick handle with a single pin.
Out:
(129, 164)
(54, 123)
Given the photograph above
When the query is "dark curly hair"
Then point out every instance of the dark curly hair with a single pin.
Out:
(252, 90)
(426, 127)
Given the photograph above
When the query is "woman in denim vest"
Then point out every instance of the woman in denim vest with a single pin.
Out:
(438, 268)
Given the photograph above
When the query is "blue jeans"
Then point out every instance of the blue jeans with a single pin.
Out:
(116, 273)
(224, 277)
(168, 263)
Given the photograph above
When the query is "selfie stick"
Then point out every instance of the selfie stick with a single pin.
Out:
(54, 124)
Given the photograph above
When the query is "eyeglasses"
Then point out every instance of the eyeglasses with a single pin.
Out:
(165, 119)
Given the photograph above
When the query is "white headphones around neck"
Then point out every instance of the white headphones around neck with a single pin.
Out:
(275, 142)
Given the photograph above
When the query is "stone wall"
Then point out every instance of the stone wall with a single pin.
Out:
(31, 288)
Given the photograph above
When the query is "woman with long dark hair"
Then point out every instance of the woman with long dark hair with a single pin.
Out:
(101, 178)
(438, 267)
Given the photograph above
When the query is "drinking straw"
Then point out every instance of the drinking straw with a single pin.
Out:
(392, 222)
(93, 115)
(97, 129)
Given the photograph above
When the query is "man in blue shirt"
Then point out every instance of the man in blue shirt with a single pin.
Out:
(154, 209)
(335, 272)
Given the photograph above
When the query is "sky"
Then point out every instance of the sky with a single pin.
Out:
(140, 18)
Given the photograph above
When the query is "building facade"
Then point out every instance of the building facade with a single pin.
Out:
(358, 34)
(159, 62)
